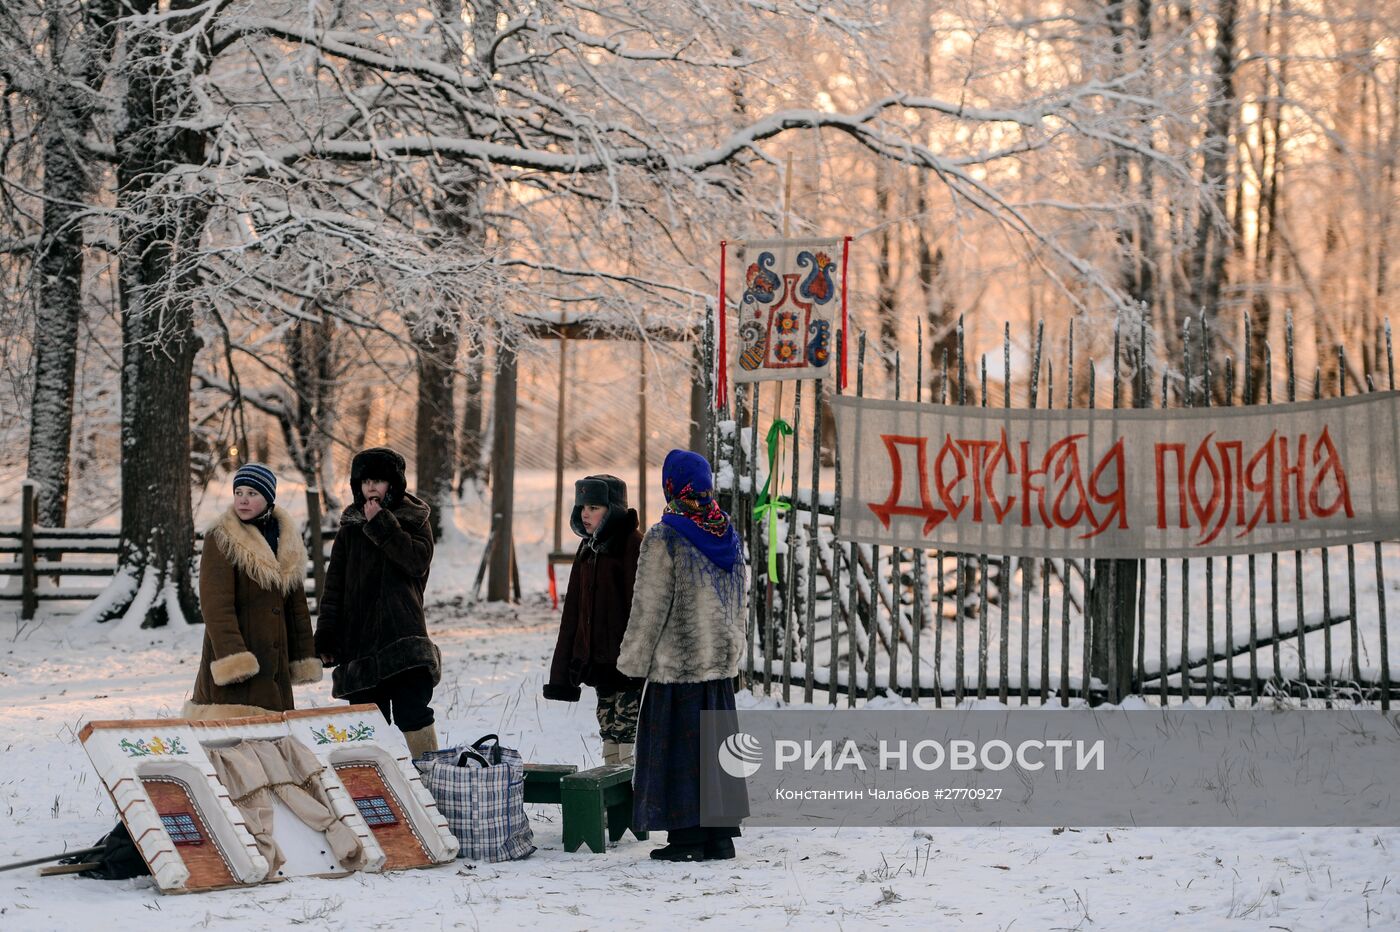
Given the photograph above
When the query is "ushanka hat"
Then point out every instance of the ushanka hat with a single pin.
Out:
(608, 491)
(259, 478)
(380, 463)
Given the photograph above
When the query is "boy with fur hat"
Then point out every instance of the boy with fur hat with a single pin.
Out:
(596, 608)
(252, 594)
(371, 627)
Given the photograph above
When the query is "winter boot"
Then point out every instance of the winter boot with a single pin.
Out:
(625, 755)
(719, 849)
(421, 741)
(610, 752)
(675, 852)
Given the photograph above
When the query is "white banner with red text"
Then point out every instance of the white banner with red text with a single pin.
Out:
(1128, 483)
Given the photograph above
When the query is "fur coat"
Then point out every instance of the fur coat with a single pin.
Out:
(688, 615)
(257, 631)
(370, 623)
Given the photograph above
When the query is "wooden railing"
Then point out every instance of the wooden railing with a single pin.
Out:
(39, 552)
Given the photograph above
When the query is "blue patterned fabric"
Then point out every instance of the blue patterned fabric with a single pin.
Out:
(666, 782)
(692, 511)
(484, 804)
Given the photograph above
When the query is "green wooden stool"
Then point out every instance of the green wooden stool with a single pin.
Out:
(597, 807)
(542, 781)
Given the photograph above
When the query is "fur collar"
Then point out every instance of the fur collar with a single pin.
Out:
(247, 550)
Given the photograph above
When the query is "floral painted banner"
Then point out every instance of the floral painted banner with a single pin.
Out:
(792, 304)
(1120, 483)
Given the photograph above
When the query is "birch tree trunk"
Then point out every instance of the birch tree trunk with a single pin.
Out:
(935, 285)
(307, 427)
(1112, 608)
(498, 583)
(1207, 275)
(77, 51)
(1269, 167)
(470, 448)
(885, 281)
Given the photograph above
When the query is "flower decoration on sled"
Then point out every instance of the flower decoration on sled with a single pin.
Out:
(333, 735)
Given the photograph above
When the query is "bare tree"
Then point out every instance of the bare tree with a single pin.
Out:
(78, 45)
(1206, 274)
(296, 176)
(161, 210)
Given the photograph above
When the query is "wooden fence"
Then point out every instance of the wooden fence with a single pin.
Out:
(39, 552)
(857, 620)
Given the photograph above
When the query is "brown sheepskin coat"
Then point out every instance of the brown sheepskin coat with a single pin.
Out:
(257, 630)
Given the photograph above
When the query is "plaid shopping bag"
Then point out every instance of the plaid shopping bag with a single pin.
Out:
(480, 790)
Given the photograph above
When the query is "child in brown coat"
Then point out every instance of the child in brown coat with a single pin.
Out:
(257, 631)
(596, 608)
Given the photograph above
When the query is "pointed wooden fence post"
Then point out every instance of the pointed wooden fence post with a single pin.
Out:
(30, 579)
(318, 542)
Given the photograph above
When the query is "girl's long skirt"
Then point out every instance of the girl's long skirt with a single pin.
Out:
(666, 785)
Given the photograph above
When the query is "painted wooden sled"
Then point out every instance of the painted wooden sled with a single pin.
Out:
(168, 791)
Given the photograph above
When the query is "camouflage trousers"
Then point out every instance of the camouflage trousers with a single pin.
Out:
(617, 715)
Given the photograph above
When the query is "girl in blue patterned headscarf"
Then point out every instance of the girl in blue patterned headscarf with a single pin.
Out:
(692, 510)
(685, 637)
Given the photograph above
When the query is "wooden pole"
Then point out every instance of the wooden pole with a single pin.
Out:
(481, 566)
(790, 565)
(701, 436)
(642, 427)
(702, 392)
(514, 571)
(559, 439)
(809, 628)
(775, 477)
(756, 545)
(318, 543)
(787, 193)
(787, 232)
(851, 603)
(498, 584)
(75, 853)
(30, 583)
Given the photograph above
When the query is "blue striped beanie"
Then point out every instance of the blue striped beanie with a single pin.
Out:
(259, 478)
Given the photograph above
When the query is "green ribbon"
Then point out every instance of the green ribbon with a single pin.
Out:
(764, 505)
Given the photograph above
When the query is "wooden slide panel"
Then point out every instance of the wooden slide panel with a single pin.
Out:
(402, 847)
(205, 862)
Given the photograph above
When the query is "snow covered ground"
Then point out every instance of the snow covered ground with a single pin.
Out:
(56, 675)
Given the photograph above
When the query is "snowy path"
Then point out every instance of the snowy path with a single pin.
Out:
(53, 678)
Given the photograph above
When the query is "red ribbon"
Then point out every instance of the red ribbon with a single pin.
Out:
(721, 367)
(845, 322)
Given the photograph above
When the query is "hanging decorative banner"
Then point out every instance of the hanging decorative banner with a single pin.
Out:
(1120, 483)
(794, 299)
